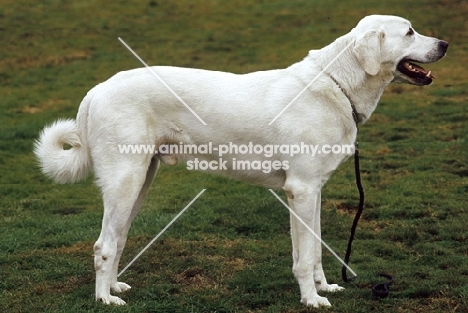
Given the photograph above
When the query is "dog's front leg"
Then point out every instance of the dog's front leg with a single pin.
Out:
(319, 275)
(303, 199)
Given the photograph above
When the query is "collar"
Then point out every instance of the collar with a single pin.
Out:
(354, 111)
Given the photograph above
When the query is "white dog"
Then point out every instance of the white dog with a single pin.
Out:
(133, 107)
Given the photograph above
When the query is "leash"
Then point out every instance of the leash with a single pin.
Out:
(357, 173)
(344, 275)
(379, 290)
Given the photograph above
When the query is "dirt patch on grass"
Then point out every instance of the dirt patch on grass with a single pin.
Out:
(46, 105)
(83, 248)
(194, 279)
(208, 263)
(198, 278)
(28, 62)
(343, 208)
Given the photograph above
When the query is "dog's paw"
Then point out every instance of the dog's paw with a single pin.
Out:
(120, 287)
(111, 300)
(316, 301)
(329, 288)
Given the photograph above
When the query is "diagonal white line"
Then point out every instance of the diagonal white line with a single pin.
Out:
(313, 233)
(309, 84)
(162, 81)
(161, 232)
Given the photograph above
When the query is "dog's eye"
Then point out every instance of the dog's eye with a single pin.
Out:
(410, 32)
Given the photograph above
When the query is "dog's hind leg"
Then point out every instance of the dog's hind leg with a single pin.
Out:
(124, 189)
(150, 174)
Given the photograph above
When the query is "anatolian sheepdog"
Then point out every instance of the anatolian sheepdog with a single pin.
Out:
(133, 107)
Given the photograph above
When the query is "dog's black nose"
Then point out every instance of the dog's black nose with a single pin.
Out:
(443, 46)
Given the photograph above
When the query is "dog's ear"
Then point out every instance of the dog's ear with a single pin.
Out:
(367, 51)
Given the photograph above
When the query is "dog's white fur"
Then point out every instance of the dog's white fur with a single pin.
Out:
(134, 108)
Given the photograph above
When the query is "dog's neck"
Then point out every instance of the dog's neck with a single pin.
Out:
(363, 90)
(355, 113)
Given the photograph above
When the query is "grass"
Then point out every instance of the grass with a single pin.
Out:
(231, 251)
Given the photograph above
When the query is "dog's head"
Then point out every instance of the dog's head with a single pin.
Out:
(390, 43)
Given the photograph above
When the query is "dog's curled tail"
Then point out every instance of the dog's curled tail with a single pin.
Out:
(62, 148)
(59, 162)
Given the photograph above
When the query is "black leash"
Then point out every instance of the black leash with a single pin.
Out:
(382, 290)
(346, 279)
(357, 173)
(379, 290)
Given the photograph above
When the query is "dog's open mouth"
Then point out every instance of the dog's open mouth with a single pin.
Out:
(415, 72)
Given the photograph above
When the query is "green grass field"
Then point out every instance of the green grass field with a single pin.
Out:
(231, 251)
